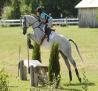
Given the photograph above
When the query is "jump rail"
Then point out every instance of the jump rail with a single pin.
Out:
(63, 21)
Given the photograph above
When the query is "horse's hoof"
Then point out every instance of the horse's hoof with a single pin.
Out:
(70, 80)
(80, 80)
(70, 76)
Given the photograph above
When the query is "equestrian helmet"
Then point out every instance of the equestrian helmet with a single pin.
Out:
(39, 9)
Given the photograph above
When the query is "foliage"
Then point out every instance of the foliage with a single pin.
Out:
(36, 55)
(7, 12)
(25, 9)
(2, 4)
(3, 81)
(56, 7)
(16, 13)
(54, 66)
(34, 5)
(27, 2)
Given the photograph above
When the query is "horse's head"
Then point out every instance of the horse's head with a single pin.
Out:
(28, 20)
(24, 25)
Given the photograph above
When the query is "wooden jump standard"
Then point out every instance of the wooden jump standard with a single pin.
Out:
(37, 71)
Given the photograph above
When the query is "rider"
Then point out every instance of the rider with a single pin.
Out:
(45, 19)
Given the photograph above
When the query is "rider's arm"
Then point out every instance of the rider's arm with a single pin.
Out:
(44, 18)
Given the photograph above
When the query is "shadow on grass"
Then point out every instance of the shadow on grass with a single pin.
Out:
(69, 89)
(66, 87)
(80, 84)
(58, 89)
(70, 86)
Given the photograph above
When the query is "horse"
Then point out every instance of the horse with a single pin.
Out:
(64, 43)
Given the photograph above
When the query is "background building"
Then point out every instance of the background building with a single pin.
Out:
(88, 13)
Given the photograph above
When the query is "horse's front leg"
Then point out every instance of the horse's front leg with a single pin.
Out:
(29, 41)
(34, 37)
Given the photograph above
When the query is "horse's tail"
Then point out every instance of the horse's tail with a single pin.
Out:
(77, 49)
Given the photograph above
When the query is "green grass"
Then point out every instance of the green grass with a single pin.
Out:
(86, 38)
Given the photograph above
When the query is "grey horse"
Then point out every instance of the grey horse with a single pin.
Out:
(64, 44)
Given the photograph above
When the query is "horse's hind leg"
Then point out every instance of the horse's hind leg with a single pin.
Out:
(74, 64)
(68, 65)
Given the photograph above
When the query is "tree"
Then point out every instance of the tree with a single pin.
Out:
(56, 7)
(52, 6)
(28, 2)
(36, 55)
(34, 5)
(69, 7)
(16, 13)
(2, 4)
(54, 66)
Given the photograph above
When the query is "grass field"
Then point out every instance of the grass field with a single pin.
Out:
(87, 40)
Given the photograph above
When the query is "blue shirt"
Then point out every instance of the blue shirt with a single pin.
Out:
(44, 16)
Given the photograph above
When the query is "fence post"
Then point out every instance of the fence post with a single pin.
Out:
(23, 71)
(66, 22)
(33, 76)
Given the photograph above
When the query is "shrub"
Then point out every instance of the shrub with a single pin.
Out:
(36, 55)
(7, 12)
(16, 13)
(3, 81)
(54, 66)
(25, 9)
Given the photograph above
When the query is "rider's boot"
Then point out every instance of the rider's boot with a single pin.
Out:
(47, 32)
(48, 38)
(29, 44)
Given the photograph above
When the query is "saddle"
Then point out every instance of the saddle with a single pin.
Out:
(47, 34)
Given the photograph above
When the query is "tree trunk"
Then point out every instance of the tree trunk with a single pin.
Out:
(0, 12)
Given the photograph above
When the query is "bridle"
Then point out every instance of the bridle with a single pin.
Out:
(38, 25)
(25, 26)
(24, 22)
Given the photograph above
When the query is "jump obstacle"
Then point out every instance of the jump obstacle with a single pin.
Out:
(37, 71)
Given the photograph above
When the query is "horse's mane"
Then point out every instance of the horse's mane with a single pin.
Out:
(35, 16)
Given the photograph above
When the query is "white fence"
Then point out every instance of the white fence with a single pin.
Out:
(15, 22)
(63, 21)
(66, 21)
